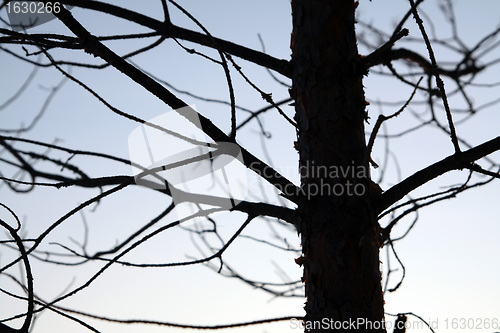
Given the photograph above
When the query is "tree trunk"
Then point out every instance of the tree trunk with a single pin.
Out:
(340, 233)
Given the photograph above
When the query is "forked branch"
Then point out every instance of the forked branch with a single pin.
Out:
(454, 162)
(172, 31)
(95, 47)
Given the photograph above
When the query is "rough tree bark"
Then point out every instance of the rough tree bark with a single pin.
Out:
(339, 230)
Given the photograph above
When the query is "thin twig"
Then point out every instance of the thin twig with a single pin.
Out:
(381, 118)
(435, 73)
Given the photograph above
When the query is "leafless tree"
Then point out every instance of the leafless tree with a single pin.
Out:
(339, 210)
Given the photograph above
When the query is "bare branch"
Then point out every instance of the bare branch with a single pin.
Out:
(95, 47)
(27, 267)
(435, 73)
(281, 66)
(381, 118)
(453, 162)
(380, 55)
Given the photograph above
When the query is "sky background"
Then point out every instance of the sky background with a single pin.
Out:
(451, 255)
